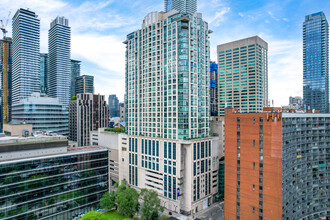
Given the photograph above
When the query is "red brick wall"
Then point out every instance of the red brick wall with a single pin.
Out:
(272, 165)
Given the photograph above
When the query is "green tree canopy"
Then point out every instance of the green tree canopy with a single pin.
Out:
(127, 201)
(151, 205)
(108, 200)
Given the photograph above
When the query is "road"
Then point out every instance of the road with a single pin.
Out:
(214, 212)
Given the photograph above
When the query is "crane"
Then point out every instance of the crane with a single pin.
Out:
(3, 26)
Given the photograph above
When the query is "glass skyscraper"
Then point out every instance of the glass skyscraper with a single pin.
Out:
(168, 147)
(316, 62)
(43, 72)
(75, 72)
(167, 83)
(183, 6)
(214, 88)
(59, 71)
(26, 55)
(113, 103)
(84, 84)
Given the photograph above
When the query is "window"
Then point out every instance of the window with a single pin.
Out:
(254, 165)
(202, 150)
(129, 144)
(253, 209)
(194, 151)
(254, 143)
(142, 144)
(198, 151)
(261, 128)
(202, 166)
(261, 143)
(261, 120)
(165, 149)
(238, 120)
(194, 168)
(153, 148)
(206, 149)
(132, 144)
(254, 120)
(253, 187)
(174, 151)
(157, 148)
(169, 150)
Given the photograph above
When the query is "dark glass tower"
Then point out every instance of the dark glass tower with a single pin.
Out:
(43, 72)
(84, 84)
(75, 72)
(113, 103)
(214, 88)
(316, 62)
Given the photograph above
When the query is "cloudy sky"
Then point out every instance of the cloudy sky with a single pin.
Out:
(100, 26)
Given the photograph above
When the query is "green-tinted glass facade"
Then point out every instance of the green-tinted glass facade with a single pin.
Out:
(54, 187)
(243, 75)
(167, 77)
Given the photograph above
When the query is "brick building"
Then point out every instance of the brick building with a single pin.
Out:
(275, 165)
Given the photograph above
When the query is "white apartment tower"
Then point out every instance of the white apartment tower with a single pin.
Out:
(26, 54)
(167, 77)
(167, 146)
(59, 64)
(183, 6)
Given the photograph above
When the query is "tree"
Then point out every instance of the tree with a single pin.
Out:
(92, 215)
(108, 200)
(151, 205)
(128, 202)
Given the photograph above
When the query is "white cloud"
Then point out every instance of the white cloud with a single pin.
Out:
(271, 14)
(285, 70)
(219, 17)
(107, 52)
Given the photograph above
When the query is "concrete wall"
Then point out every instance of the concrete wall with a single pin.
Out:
(218, 129)
(16, 130)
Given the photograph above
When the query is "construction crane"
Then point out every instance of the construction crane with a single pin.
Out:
(4, 26)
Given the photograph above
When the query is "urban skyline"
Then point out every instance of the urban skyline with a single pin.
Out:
(274, 158)
(280, 27)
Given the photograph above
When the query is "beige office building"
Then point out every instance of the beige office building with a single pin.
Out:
(243, 75)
